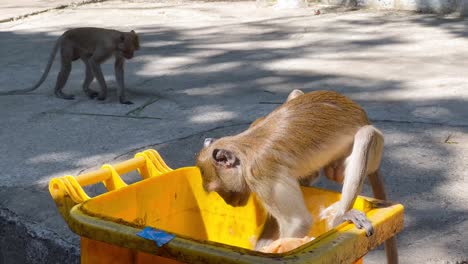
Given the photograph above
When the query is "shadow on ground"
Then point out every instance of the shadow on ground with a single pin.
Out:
(208, 82)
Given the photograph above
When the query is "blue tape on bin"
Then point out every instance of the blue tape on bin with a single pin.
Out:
(160, 237)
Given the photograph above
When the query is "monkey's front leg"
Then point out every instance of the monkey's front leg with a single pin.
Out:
(119, 76)
(284, 201)
(286, 204)
(269, 234)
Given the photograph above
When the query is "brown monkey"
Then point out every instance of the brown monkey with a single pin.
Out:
(335, 172)
(93, 46)
(321, 129)
(306, 180)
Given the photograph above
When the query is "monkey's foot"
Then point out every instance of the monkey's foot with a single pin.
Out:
(125, 101)
(91, 94)
(286, 244)
(360, 220)
(101, 98)
(60, 94)
(332, 218)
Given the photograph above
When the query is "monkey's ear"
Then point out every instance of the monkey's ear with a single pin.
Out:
(208, 142)
(294, 94)
(133, 31)
(225, 158)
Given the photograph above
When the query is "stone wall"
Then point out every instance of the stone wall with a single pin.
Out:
(427, 6)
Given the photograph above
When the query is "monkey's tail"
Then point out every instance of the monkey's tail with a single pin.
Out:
(44, 75)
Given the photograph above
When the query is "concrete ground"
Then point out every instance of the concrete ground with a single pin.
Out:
(19, 9)
(207, 69)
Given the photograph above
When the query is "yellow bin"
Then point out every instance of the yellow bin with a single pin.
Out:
(206, 229)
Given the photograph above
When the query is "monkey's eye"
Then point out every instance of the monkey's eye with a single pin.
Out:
(122, 38)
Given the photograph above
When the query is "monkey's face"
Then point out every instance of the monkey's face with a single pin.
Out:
(221, 172)
(129, 42)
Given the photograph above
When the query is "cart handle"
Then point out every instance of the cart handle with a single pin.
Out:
(148, 163)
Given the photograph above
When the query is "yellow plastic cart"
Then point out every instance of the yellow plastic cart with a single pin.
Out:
(206, 229)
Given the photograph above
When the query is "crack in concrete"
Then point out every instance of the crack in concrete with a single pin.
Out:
(83, 170)
(417, 122)
(73, 4)
(272, 103)
(102, 115)
(131, 114)
(136, 112)
(180, 138)
(270, 92)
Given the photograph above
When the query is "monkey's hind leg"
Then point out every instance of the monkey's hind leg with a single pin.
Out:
(95, 62)
(66, 60)
(89, 77)
(378, 189)
(364, 159)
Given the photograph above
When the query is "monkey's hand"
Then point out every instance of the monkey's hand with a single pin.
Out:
(286, 244)
(333, 218)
